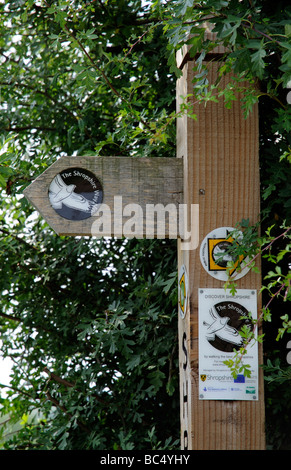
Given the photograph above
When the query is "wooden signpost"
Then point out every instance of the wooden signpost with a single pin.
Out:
(221, 174)
(196, 198)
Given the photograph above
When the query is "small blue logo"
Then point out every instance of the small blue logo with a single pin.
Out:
(240, 379)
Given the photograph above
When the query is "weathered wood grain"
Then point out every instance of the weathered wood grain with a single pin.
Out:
(146, 182)
(221, 174)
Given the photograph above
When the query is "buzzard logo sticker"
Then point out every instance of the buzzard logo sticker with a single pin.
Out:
(75, 194)
(223, 325)
(216, 258)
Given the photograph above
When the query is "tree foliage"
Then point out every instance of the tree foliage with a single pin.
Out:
(91, 325)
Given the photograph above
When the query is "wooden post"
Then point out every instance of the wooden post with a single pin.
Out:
(221, 174)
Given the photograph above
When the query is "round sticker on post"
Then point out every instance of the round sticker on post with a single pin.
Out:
(215, 257)
(183, 290)
(75, 194)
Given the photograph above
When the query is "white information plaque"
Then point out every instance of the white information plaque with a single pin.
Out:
(221, 317)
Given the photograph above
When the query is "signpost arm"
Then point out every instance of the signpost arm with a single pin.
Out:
(221, 174)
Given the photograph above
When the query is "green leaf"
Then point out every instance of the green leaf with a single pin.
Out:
(257, 58)
(133, 362)
(156, 378)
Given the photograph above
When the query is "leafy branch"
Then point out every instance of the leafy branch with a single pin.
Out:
(100, 71)
(282, 282)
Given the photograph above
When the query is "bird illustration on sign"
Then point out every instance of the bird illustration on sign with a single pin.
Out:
(220, 328)
(75, 194)
(60, 193)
